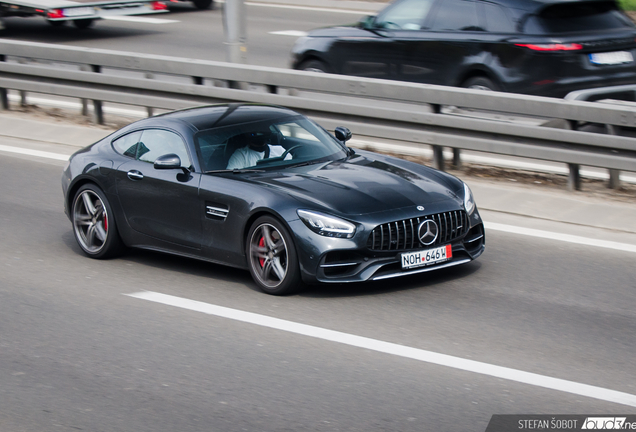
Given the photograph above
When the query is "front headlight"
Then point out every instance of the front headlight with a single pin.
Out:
(328, 226)
(469, 201)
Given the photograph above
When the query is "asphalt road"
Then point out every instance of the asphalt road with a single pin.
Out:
(77, 353)
(193, 34)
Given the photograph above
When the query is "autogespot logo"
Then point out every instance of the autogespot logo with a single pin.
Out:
(604, 423)
(427, 232)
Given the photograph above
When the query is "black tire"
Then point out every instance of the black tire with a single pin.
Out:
(314, 66)
(480, 83)
(272, 258)
(203, 4)
(94, 224)
(83, 23)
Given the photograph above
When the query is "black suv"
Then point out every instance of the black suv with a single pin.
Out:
(540, 47)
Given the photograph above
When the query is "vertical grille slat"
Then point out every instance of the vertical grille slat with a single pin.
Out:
(403, 234)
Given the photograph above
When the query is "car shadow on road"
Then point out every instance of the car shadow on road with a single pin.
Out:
(428, 280)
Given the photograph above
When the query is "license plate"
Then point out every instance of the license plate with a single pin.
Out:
(80, 11)
(426, 257)
(611, 58)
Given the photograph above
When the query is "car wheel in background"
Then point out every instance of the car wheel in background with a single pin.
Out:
(272, 258)
(314, 66)
(94, 224)
(480, 83)
(203, 4)
(83, 23)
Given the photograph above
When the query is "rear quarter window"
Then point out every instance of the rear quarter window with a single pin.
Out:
(496, 19)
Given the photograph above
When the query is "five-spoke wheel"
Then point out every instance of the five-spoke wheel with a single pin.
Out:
(272, 257)
(93, 224)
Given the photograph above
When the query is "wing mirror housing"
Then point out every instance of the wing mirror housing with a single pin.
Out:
(342, 133)
(367, 22)
(170, 161)
(167, 162)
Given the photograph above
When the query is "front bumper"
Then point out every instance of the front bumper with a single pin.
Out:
(330, 260)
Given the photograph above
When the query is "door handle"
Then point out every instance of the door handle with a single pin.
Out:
(135, 175)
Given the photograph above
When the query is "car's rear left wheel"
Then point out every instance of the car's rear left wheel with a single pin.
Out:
(272, 257)
(93, 223)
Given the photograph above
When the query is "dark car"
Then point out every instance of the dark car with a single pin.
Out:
(303, 207)
(538, 47)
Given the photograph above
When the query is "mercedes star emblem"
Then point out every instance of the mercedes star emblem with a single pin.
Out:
(420, 208)
(427, 232)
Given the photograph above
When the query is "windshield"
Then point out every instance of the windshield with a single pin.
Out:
(266, 144)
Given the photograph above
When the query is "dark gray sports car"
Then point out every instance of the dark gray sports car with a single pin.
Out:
(266, 189)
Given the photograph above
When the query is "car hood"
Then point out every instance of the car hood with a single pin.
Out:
(360, 186)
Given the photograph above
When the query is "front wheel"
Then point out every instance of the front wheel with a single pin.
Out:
(480, 83)
(314, 66)
(272, 257)
(93, 223)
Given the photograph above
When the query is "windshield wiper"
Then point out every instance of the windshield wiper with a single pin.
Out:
(235, 171)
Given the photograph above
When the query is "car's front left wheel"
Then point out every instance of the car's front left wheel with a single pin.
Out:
(272, 257)
(93, 223)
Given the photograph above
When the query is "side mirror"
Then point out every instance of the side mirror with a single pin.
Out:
(367, 22)
(343, 134)
(169, 161)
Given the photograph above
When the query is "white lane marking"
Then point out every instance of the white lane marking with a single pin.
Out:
(394, 349)
(30, 152)
(296, 33)
(560, 237)
(309, 8)
(142, 20)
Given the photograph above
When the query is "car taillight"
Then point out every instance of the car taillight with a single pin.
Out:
(159, 6)
(552, 47)
(55, 13)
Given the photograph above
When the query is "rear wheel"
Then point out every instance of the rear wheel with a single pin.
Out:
(93, 223)
(83, 23)
(480, 83)
(272, 257)
(203, 4)
(314, 66)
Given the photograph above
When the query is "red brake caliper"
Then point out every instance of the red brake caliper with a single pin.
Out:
(261, 243)
(105, 223)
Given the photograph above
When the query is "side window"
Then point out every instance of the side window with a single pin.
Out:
(157, 142)
(405, 15)
(127, 145)
(456, 15)
(497, 21)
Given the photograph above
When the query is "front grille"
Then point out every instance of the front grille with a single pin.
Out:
(402, 234)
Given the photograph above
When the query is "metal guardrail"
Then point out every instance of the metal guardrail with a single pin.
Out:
(369, 107)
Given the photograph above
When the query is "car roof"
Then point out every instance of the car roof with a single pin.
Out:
(208, 117)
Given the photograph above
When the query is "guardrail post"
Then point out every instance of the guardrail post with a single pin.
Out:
(457, 160)
(614, 175)
(574, 178)
(150, 110)
(98, 110)
(4, 96)
(438, 157)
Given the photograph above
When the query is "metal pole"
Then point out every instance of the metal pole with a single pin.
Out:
(235, 25)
